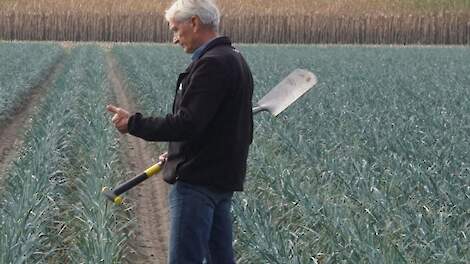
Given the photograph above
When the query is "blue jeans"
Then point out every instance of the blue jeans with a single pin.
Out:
(200, 225)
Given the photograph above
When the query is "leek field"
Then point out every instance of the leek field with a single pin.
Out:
(371, 166)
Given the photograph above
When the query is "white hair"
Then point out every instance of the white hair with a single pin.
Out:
(206, 10)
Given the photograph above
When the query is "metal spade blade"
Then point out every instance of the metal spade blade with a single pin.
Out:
(286, 92)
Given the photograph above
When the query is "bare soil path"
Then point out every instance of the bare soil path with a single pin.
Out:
(150, 197)
(12, 131)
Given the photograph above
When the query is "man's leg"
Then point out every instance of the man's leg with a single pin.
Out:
(191, 212)
(220, 243)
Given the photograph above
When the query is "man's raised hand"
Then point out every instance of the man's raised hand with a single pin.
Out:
(120, 118)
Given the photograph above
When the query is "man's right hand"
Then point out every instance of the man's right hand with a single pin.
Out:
(120, 118)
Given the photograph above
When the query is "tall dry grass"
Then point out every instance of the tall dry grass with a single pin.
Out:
(272, 21)
(239, 7)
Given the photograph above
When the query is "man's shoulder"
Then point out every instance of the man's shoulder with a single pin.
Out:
(221, 57)
(222, 54)
(219, 52)
(208, 63)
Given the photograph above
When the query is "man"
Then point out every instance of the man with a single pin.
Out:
(209, 132)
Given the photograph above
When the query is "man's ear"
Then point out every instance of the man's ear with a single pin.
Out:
(196, 23)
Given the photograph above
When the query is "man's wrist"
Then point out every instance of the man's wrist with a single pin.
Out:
(133, 123)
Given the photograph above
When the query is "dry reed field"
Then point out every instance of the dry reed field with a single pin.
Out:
(238, 7)
(253, 21)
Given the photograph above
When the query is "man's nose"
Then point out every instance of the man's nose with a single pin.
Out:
(175, 40)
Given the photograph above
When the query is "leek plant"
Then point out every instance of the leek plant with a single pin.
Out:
(97, 231)
(23, 67)
(52, 209)
(370, 167)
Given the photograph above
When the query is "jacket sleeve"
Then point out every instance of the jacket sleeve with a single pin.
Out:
(206, 90)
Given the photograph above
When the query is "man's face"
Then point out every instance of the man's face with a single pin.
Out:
(183, 34)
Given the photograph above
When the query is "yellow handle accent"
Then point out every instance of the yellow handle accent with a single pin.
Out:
(118, 200)
(153, 170)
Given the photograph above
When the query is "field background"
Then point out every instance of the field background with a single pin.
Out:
(253, 21)
(371, 166)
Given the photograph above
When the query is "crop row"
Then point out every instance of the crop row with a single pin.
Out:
(52, 209)
(23, 66)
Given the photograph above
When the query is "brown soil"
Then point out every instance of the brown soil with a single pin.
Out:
(149, 199)
(12, 131)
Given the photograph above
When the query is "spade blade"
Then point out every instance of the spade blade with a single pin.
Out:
(286, 92)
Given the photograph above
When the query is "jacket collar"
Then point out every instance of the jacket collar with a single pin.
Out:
(197, 53)
(219, 41)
